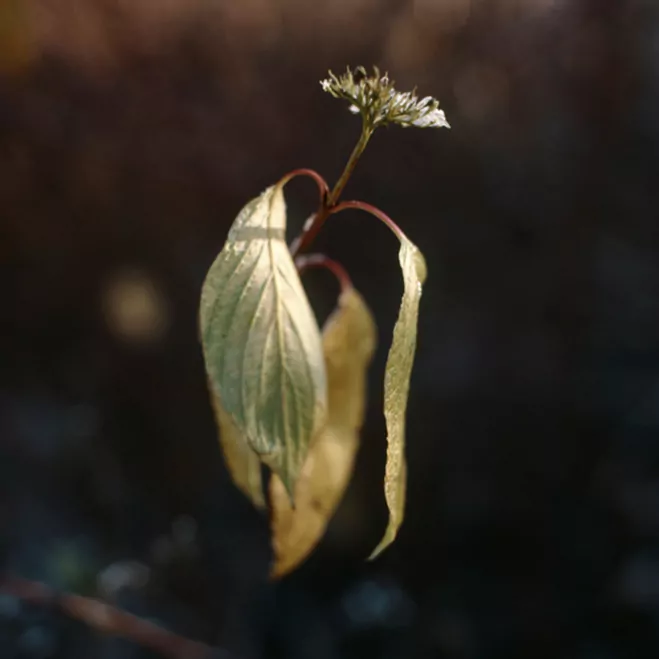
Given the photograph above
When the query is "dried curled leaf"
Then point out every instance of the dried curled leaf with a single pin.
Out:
(397, 386)
(261, 343)
(349, 338)
(243, 464)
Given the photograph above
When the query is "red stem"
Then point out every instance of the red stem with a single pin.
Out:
(107, 619)
(376, 212)
(312, 225)
(323, 188)
(307, 261)
(310, 230)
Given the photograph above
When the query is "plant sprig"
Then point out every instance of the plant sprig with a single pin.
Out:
(379, 104)
(278, 386)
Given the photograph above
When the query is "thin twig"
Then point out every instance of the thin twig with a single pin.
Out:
(313, 225)
(365, 136)
(307, 261)
(106, 619)
(323, 188)
(368, 208)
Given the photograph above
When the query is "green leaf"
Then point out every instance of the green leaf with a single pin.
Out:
(261, 341)
(349, 338)
(397, 386)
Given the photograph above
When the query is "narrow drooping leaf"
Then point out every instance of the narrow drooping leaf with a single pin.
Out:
(241, 461)
(348, 341)
(261, 343)
(397, 385)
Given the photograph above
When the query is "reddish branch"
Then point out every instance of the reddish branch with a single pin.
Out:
(323, 188)
(368, 208)
(307, 261)
(106, 619)
(329, 205)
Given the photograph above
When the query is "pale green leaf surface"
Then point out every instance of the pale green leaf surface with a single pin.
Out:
(397, 384)
(349, 338)
(261, 341)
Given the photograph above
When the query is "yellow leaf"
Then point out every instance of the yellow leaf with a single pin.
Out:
(349, 338)
(243, 464)
(397, 386)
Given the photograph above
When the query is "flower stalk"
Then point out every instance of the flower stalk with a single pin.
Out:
(379, 104)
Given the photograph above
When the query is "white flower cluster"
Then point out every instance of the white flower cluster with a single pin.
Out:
(375, 98)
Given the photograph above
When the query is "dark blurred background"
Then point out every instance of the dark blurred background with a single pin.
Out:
(132, 132)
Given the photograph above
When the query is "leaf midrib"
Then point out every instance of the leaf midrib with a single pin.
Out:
(280, 338)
